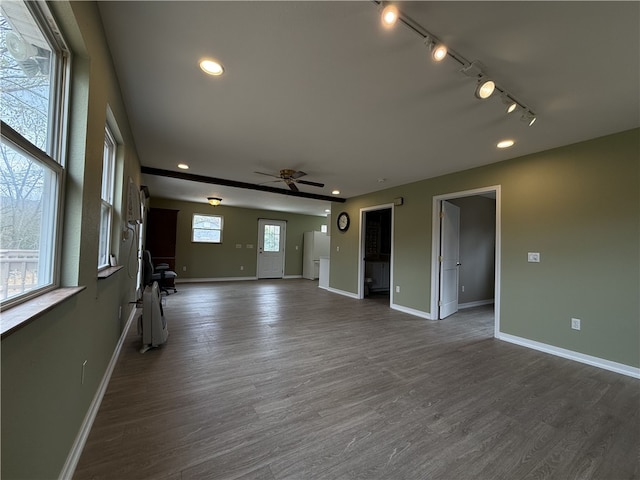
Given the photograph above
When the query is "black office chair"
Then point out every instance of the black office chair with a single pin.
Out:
(158, 273)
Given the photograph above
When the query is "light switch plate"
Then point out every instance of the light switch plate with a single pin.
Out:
(533, 257)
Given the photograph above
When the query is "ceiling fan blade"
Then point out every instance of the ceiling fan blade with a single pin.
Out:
(298, 174)
(268, 174)
(306, 182)
(293, 187)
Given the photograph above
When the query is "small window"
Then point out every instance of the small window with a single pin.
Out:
(206, 229)
(106, 208)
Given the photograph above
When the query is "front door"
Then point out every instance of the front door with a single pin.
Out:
(449, 259)
(271, 235)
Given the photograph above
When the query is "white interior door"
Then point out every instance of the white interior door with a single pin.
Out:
(271, 235)
(449, 259)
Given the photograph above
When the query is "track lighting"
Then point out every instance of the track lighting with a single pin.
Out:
(529, 118)
(215, 201)
(389, 16)
(485, 88)
(510, 103)
(438, 50)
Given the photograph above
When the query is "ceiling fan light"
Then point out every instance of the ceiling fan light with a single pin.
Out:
(214, 201)
(485, 89)
(389, 16)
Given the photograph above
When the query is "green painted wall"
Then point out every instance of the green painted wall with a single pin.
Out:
(577, 205)
(43, 400)
(240, 227)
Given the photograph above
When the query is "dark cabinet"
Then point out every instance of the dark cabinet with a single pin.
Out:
(160, 238)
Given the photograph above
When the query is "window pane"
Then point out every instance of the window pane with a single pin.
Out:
(271, 238)
(28, 197)
(25, 80)
(206, 228)
(105, 234)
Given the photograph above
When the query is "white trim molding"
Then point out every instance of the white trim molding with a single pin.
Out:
(78, 445)
(214, 279)
(411, 311)
(477, 303)
(344, 293)
(571, 355)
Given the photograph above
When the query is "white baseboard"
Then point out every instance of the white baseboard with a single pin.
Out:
(78, 445)
(477, 303)
(571, 355)
(287, 277)
(411, 311)
(214, 279)
(343, 292)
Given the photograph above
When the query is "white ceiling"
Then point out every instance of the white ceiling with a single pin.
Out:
(322, 87)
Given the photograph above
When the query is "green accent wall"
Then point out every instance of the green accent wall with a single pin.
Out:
(240, 227)
(578, 205)
(44, 401)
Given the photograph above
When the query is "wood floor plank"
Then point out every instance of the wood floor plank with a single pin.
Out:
(279, 379)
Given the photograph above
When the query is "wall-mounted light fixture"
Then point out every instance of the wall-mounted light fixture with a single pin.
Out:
(215, 201)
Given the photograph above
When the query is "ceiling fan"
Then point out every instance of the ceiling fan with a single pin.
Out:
(291, 177)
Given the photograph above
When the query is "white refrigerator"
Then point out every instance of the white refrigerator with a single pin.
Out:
(315, 245)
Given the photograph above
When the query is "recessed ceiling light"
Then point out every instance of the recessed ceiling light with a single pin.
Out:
(211, 67)
(327, 210)
(505, 143)
(389, 16)
(335, 192)
(183, 166)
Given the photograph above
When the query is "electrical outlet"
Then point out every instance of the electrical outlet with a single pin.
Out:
(462, 288)
(575, 323)
(397, 288)
(184, 269)
(241, 267)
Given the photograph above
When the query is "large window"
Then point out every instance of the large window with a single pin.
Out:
(106, 208)
(206, 229)
(33, 92)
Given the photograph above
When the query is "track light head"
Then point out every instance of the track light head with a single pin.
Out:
(389, 16)
(485, 88)
(510, 104)
(438, 50)
(529, 118)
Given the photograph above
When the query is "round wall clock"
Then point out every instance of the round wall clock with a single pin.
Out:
(343, 221)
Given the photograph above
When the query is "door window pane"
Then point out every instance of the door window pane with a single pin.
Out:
(271, 238)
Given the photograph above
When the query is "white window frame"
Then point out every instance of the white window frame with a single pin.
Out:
(106, 197)
(194, 229)
(51, 159)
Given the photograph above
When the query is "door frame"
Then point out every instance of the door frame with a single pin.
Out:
(361, 251)
(435, 247)
(261, 223)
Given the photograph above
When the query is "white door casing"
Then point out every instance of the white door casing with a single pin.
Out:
(271, 248)
(449, 259)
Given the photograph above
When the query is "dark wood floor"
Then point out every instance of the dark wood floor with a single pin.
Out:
(283, 380)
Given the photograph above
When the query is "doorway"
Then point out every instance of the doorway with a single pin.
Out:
(474, 265)
(376, 247)
(271, 248)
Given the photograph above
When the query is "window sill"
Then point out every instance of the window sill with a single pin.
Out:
(107, 272)
(21, 315)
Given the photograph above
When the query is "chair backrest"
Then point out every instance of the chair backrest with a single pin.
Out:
(147, 268)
